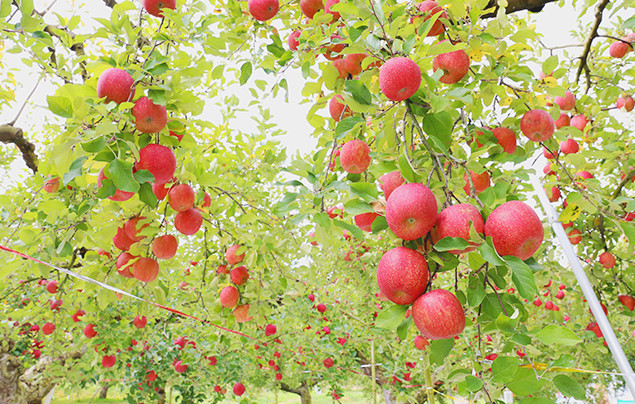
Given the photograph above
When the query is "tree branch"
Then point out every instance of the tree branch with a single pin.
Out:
(587, 45)
(516, 5)
(11, 134)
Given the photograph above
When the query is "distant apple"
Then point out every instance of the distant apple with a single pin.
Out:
(402, 275)
(181, 197)
(124, 267)
(567, 102)
(292, 41)
(569, 146)
(454, 221)
(140, 321)
(327, 9)
(550, 155)
(506, 138)
(399, 78)
(328, 363)
(607, 260)
(51, 286)
(121, 240)
(438, 314)
(537, 125)
(239, 275)
(619, 49)
(270, 329)
(48, 328)
(628, 301)
(52, 185)
(481, 182)
(411, 211)
(575, 236)
(553, 194)
(321, 307)
(353, 62)
(421, 342)
(116, 85)
(180, 367)
(338, 109)
(108, 361)
(229, 296)
(515, 229)
(239, 389)
(430, 8)
(231, 257)
(89, 331)
(627, 102)
(355, 156)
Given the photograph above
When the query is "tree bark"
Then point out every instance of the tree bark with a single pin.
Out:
(304, 391)
(380, 378)
(11, 134)
(517, 5)
(103, 393)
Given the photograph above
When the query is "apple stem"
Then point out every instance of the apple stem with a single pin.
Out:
(428, 375)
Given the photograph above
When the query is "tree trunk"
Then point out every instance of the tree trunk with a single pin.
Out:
(304, 391)
(103, 393)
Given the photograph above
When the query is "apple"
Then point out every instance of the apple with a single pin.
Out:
(145, 269)
(619, 49)
(429, 8)
(89, 331)
(563, 121)
(353, 62)
(181, 197)
(481, 182)
(338, 109)
(567, 102)
(626, 102)
(554, 194)
(355, 156)
(327, 9)
(607, 260)
(321, 307)
(585, 175)
(547, 170)
(515, 229)
(454, 65)
(421, 342)
(207, 201)
(278, 376)
(579, 121)
(154, 7)
(159, 160)
(52, 287)
(241, 313)
(389, 182)
(335, 211)
(332, 51)
(575, 236)
(628, 301)
(506, 138)
(239, 389)
(550, 155)
(140, 322)
(310, 7)
(438, 314)
(164, 247)
(292, 41)
(560, 294)
(454, 221)
(229, 296)
(48, 328)
(328, 363)
(270, 329)
(399, 78)
(231, 257)
(149, 117)
(130, 227)
(365, 221)
(537, 125)
(263, 10)
(549, 305)
(537, 302)
(121, 240)
(402, 275)
(119, 195)
(124, 267)
(176, 135)
(341, 68)
(180, 367)
(188, 222)
(52, 185)
(411, 211)
(77, 315)
(569, 146)
(160, 191)
(239, 275)
(108, 361)
(115, 85)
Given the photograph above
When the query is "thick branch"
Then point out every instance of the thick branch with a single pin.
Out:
(587, 45)
(516, 5)
(11, 134)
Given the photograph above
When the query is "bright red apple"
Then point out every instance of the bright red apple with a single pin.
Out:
(48, 328)
(263, 10)
(124, 266)
(607, 260)
(421, 342)
(154, 7)
(365, 221)
(108, 361)
(270, 329)
(145, 269)
(188, 222)
(411, 211)
(292, 41)
(159, 160)
(355, 156)
(537, 125)
(567, 102)
(627, 102)
(481, 182)
(454, 221)
(338, 109)
(454, 65)
(575, 236)
(399, 78)
(52, 286)
(506, 138)
(149, 117)
(164, 247)
(628, 301)
(181, 197)
(438, 314)
(231, 257)
(430, 8)
(239, 275)
(239, 389)
(569, 146)
(116, 85)
(389, 182)
(353, 63)
(402, 275)
(229, 296)
(310, 7)
(89, 331)
(515, 229)
(140, 321)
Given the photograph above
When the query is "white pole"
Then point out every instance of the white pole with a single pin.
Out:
(587, 289)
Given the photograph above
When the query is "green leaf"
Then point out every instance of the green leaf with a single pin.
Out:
(489, 253)
(322, 219)
(473, 383)
(147, 196)
(107, 189)
(245, 72)
(95, 145)
(5, 8)
(569, 387)
(475, 291)
(556, 334)
(61, 106)
(75, 170)
(359, 92)
(391, 317)
(629, 23)
(120, 172)
(522, 276)
(354, 230)
(524, 382)
(504, 368)
(144, 176)
(347, 124)
(158, 96)
(356, 207)
(402, 330)
(440, 349)
(550, 64)
(451, 243)
(379, 224)
(364, 190)
(439, 128)
(629, 231)
(407, 171)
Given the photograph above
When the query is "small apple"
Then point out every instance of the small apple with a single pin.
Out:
(607, 260)
(421, 342)
(229, 296)
(123, 264)
(140, 322)
(365, 221)
(48, 328)
(619, 49)
(506, 138)
(164, 247)
(121, 240)
(321, 307)
(52, 185)
(310, 7)
(239, 389)
(327, 9)
(241, 313)
(130, 227)
(154, 7)
(338, 109)
(399, 78)
(231, 257)
(553, 194)
(567, 102)
(389, 182)
(89, 331)
(353, 62)
(52, 287)
(628, 301)
(119, 195)
(430, 8)
(575, 236)
(160, 190)
(239, 275)
(270, 329)
(181, 197)
(115, 85)
(292, 41)
(108, 361)
(626, 102)
(569, 146)
(328, 363)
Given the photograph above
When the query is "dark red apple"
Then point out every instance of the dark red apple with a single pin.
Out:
(399, 78)
(411, 211)
(454, 221)
(515, 229)
(154, 7)
(438, 314)
(402, 275)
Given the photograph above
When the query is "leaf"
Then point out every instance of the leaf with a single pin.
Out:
(364, 190)
(379, 224)
(629, 24)
(147, 196)
(120, 172)
(407, 171)
(629, 231)
(524, 382)
(345, 125)
(359, 92)
(522, 276)
(143, 176)
(439, 128)
(245, 72)
(356, 207)
(489, 253)
(473, 383)
(75, 170)
(107, 189)
(451, 243)
(61, 106)
(569, 387)
(504, 368)
(95, 145)
(354, 230)
(556, 334)
(322, 219)
(439, 350)
(402, 330)
(549, 65)
(158, 96)
(391, 317)
(570, 213)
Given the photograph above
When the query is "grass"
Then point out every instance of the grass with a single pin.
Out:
(351, 396)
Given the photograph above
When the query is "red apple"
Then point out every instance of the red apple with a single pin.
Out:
(399, 78)
(550, 155)
(51, 286)
(154, 7)
(553, 194)
(52, 185)
(310, 7)
(337, 109)
(160, 191)
(569, 146)
(116, 85)
(188, 222)
(628, 301)
(619, 49)
(626, 102)
(239, 275)
(130, 227)
(515, 229)
(263, 10)
(389, 182)
(328, 363)
(241, 313)
(293, 40)
(164, 247)
(119, 195)
(454, 221)
(575, 236)
(108, 361)
(421, 342)
(454, 65)
(159, 160)
(321, 307)
(537, 125)
(506, 138)
(579, 121)
(481, 182)
(402, 275)
(48, 328)
(353, 62)
(180, 367)
(365, 221)
(438, 314)
(124, 267)
(149, 117)
(341, 68)
(140, 322)
(327, 9)
(567, 102)
(145, 269)
(411, 211)
(239, 389)
(430, 8)
(355, 156)
(607, 260)
(89, 331)
(229, 296)
(181, 197)
(231, 257)
(563, 121)
(121, 240)
(270, 329)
